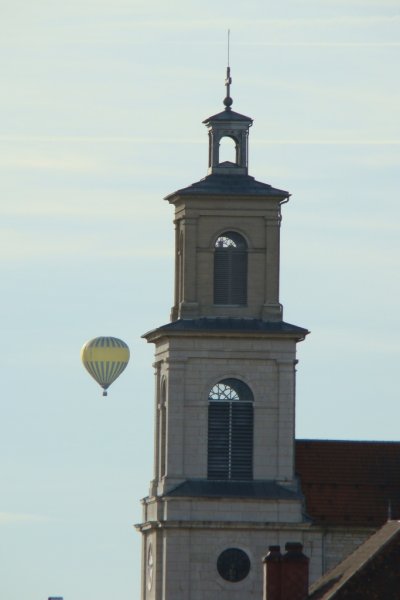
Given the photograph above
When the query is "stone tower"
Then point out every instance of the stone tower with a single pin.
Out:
(224, 486)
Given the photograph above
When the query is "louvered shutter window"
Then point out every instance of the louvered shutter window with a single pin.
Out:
(230, 269)
(218, 440)
(230, 431)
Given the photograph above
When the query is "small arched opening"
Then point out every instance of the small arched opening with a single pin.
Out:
(227, 150)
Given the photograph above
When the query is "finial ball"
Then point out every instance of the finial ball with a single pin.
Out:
(228, 101)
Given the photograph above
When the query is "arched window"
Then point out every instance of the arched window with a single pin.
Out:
(230, 430)
(162, 431)
(180, 268)
(230, 269)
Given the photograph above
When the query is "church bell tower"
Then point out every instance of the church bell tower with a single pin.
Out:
(224, 486)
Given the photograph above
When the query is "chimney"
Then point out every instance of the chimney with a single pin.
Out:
(294, 572)
(286, 577)
(272, 574)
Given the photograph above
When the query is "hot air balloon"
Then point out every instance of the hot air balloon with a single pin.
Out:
(105, 358)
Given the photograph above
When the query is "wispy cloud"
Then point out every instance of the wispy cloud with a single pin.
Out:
(26, 246)
(355, 21)
(7, 518)
(127, 139)
(237, 22)
(352, 223)
(96, 207)
(332, 44)
(330, 142)
(48, 164)
(134, 21)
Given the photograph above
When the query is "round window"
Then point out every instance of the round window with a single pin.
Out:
(233, 564)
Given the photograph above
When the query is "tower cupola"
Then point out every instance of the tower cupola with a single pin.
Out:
(228, 124)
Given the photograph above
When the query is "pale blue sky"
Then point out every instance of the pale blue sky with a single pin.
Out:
(101, 106)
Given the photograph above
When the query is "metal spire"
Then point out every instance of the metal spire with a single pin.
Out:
(228, 80)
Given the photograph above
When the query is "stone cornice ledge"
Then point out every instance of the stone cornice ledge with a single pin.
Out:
(151, 525)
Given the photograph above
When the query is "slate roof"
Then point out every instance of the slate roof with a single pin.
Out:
(228, 185)
(267, 490)
(333, 584)
(349, 483)
(228, 115)
(229, 324)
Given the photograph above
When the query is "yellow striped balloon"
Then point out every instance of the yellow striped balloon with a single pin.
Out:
(105, 358)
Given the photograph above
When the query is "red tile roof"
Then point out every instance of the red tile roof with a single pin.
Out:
(349, 483)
